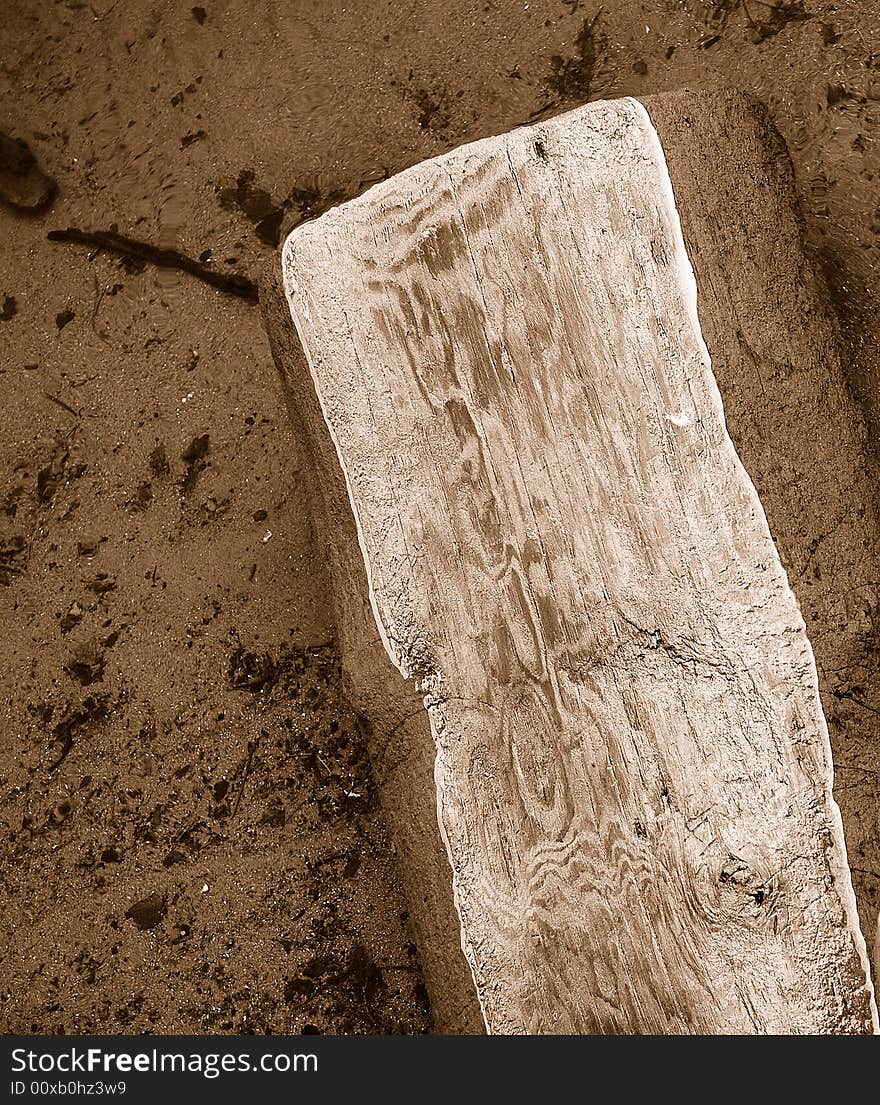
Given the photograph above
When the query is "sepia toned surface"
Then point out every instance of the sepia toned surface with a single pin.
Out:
(567, 559)
(204, 135)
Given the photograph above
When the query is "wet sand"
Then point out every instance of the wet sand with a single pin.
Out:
(191, 838)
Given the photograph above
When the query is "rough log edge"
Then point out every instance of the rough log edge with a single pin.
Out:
(450, 984)
(842, 873)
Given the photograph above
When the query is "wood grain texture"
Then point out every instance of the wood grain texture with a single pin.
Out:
(566, 559)
(776, 354)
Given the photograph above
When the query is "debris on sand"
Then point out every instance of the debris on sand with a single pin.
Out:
(132, 248)
(148, 912)
(256, 204)
(23, 184)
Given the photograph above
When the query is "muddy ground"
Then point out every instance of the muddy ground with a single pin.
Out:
(191, 840)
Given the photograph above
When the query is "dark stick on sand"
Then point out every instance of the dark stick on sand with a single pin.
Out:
(231, 283)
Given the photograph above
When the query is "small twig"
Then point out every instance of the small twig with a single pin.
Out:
(99, 296)
(64, 406)
(66, 745)
(252, 747)
(231, 283)
(851, 697)
(102, 15)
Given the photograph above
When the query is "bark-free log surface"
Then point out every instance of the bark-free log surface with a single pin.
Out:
(564, 556)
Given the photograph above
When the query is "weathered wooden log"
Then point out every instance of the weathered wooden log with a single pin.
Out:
(594, 709)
